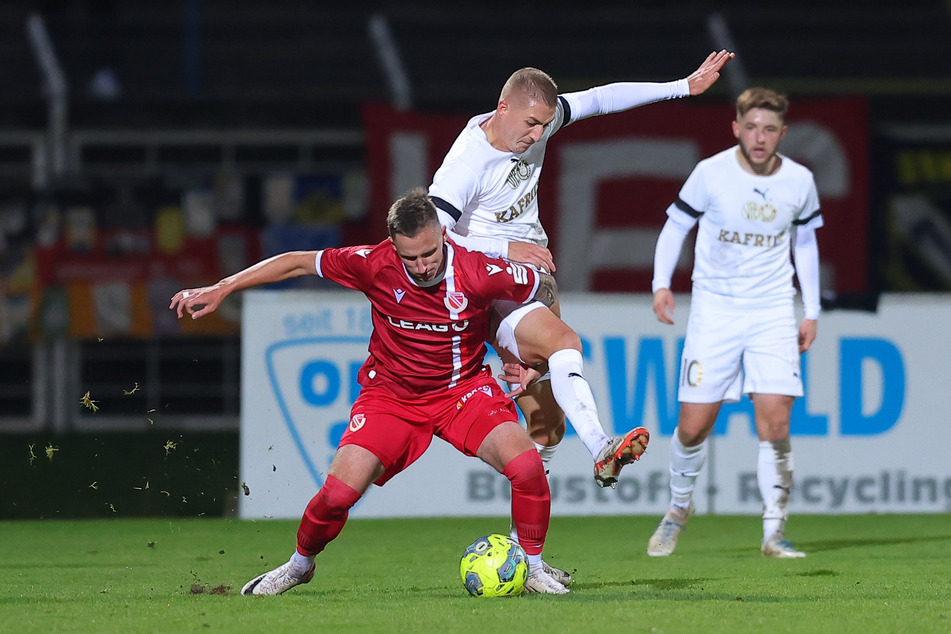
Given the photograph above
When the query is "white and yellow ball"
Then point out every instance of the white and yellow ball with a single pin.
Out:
(494, 566)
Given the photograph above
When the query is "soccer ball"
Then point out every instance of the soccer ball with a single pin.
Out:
(494, 566)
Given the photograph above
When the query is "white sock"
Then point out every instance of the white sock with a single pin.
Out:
(574, 396)
(774, 470)
(301, 563)
(685, 466)
(534, 562)
(546, 452)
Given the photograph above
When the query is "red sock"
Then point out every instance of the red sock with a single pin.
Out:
(325, 516)
(531, 500)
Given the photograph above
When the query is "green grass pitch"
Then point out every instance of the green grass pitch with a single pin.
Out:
(870, 573)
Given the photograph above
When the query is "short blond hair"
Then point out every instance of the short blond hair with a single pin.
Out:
(535, 84)
(761, 98)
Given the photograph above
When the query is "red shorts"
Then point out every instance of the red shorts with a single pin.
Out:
(399, 431)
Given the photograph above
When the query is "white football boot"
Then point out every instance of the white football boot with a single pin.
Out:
(777, 546)
(664, 539)
(559, 575)
(543, 583)
(277, 581)
(619, 452)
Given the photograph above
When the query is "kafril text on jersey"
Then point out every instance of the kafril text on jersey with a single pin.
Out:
(518, 208)
(750, 239)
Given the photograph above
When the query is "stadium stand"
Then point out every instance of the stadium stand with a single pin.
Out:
(294, 62)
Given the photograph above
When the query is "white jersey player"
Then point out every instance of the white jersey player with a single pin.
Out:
(486, 194)
(754, 208)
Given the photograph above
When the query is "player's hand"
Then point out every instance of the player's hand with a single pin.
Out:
(519, 374)
(531, 253)
(807, 334)
(709, 71)
(664, 305)
(197, 302)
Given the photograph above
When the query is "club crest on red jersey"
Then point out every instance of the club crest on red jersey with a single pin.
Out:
(456, 301)
(357, 422)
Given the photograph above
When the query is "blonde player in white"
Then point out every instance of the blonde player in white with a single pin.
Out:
(754, 208)
(486, 194)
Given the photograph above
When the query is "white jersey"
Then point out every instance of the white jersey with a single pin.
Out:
(490, 192)
(487, 193)
(742, 252)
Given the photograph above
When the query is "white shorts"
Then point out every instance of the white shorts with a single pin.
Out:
(510, 314)
(729, 352)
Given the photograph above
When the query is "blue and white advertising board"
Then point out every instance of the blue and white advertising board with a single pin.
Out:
(870, 434)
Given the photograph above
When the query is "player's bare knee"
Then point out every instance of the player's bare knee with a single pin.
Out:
(564, 339)
(691, 437)
(774, 432)
(527, 473)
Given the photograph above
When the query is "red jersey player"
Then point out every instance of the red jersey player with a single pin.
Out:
(424, 377)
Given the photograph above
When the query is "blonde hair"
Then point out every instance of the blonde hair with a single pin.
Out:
(534, 84)
(761, 98)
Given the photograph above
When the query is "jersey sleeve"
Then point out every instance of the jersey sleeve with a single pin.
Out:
(620, 96)
(505, 280)
(492, 247)
(454, 188)
(667, 252)
(682, 215)
(810, 216)
(806, 261)
(348, 266)
(693, 199)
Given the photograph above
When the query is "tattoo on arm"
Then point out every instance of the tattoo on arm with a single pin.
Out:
(547, 292)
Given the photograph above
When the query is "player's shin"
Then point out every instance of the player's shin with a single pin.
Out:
(685, 466)
(531, 500)
(774, 472)
(573, 394)
(546, 453)
(325, 516)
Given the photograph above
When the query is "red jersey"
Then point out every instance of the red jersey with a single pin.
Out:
(426, 338)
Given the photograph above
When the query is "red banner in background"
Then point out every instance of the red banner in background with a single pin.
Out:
(97, 292)
(608, 181)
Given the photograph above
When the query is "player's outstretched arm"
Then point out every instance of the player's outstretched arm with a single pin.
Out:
(709, 72)
(198, 302)
(525, 252)
(531, 253)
